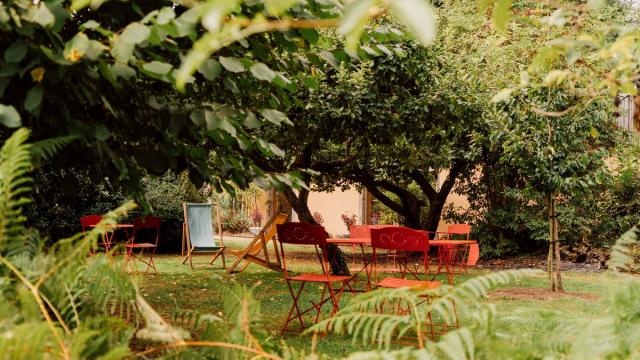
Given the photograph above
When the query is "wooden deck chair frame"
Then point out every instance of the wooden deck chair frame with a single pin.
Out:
(217, 251)
(251, 254)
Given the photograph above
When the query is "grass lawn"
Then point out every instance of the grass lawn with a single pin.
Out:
(176, 287)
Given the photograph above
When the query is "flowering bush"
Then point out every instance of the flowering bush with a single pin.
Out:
(256, 217)
(317, 217)
(349, 219)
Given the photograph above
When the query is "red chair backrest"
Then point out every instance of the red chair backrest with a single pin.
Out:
(89, 220)
(296, 233)
(399, 238)
(364, 231)
(459, 229)
(147, 222)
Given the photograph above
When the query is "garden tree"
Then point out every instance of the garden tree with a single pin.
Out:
(506, 215)
(402, 120)
(556, 156)
(390, 124)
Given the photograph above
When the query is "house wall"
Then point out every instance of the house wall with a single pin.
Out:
(333, 204)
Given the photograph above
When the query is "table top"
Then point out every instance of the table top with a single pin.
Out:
(451, 242)
(117, 226)
(367, 241)
(350, 241)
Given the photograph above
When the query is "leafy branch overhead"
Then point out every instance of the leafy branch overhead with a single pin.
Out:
(109, 71)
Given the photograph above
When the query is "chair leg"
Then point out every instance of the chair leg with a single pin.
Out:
(294, 306)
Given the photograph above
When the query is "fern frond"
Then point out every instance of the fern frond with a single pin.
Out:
(15, 164)
(621, 253)
(47, 148)
(362, 319)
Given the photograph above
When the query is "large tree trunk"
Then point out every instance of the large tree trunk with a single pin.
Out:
(299, 204)
(554, 272)
(431, 221)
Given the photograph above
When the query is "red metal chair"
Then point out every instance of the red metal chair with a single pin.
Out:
(409, 241)
(88, 222)
(457, 257)
(406, 242)
(309, 235)
(146, 223)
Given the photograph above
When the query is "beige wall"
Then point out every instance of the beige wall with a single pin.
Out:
(333, 204)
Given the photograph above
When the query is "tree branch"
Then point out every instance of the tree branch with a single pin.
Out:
(424, 184)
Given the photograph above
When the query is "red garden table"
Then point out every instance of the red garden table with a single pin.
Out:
(452, 255)
(361, 242)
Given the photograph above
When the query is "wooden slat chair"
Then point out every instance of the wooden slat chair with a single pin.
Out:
(301, 234)
(252, 253)
(198, 234)
(405, 240)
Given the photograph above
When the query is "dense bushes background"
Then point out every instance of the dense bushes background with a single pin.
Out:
(62, 196)
(508, 220)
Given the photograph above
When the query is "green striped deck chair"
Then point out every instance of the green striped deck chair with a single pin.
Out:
(198, 235)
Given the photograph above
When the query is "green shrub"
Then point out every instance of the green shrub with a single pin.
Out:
(236, 223)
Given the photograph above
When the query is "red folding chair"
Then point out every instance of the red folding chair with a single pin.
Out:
(309, 235)
(147, 223)
(88, 222)
(456, 258)
(409, 242)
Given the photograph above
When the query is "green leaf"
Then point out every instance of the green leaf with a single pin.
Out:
(277, 7)
(165, 15)
(34, 98)
(9, 117)
(215, 12)
(75, 48)
(311, 82)
(502, 15)
(91, 24)
(502, 95)
(251, 121)
(418, 16)
(311, 35)
(275, 116)
(122, 70)
(210, 69)
(232, 64)
(158, 68)
(15, 52)
(100, 132)
(135, 33)
(4, 82)
(352, 23)
(121, 50)
(41, 14)
(262, 72)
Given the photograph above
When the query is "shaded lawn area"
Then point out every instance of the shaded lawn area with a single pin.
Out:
(178, 288)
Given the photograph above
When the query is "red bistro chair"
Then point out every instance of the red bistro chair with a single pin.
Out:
(88, 222)
(457, 257)
(405, 240)
(151, 223)
(295, 233)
